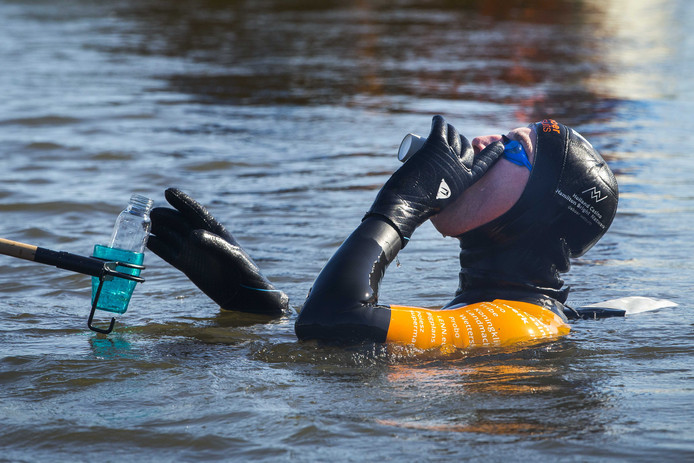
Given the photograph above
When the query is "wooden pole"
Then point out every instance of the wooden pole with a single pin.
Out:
(65, 260)
(17, 249)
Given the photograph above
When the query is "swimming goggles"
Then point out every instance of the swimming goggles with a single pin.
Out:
(514, 152)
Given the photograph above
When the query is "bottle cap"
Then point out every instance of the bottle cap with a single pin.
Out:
(410, 145)
(141, 203)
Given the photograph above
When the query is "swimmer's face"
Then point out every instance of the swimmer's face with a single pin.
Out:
(494, 194)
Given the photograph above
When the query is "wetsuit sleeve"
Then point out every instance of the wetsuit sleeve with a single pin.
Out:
(343, 303)
(484, 324)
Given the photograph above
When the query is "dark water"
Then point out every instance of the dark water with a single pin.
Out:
(284, 118)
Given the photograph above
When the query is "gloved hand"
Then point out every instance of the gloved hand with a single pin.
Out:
(432, 178)
(190, 238)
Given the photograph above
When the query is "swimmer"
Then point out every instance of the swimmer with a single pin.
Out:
(520, 204)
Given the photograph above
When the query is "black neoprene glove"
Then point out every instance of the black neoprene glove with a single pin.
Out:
(190, 238)
(432, 178)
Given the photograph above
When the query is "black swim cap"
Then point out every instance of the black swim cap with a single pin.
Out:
(567, 205)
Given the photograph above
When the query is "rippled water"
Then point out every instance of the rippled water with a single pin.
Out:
(284, 118)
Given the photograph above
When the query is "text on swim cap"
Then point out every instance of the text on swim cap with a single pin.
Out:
(550, 125)
(582, 209)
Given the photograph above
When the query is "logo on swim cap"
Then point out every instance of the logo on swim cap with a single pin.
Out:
(550, 125)
(595, 194)
(444, 190)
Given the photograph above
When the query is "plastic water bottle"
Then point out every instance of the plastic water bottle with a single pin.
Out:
(127, 245)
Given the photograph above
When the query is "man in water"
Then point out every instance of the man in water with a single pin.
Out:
(521, 206)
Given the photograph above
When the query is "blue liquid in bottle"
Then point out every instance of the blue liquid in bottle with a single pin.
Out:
(115, 294)
(127, 245)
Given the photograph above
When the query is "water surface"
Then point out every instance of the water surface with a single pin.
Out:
(284, 118)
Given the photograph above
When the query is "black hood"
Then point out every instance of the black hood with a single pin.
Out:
(567, 205)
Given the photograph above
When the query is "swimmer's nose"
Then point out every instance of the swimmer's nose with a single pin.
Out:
(480, 143)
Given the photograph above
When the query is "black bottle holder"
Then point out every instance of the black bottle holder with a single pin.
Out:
(109, 272)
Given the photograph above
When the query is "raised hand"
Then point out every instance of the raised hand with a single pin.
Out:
(432, 178)
(192, 240)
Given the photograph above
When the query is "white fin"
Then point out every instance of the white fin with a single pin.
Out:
(635, 304)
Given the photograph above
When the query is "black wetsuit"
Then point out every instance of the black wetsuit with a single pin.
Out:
(510, 267)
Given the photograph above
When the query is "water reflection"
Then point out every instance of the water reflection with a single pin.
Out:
(526, 392)
(114, 346)
(314, 53)
(634, 40)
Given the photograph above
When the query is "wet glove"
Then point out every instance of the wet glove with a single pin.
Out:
(190, 238)
(432, 178)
